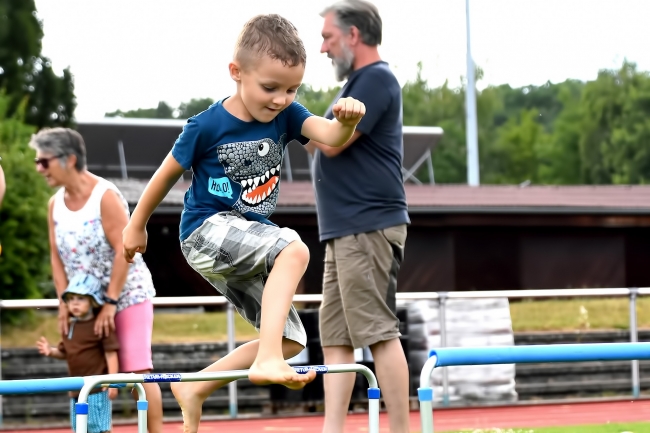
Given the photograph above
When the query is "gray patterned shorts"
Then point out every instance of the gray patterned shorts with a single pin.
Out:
(236, 256)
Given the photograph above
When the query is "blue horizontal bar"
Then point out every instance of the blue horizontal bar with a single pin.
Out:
(540, 353)
(37, 386)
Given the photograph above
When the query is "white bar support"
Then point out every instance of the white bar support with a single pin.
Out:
(91, 382)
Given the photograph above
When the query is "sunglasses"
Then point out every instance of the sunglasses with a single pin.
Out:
(45, 162)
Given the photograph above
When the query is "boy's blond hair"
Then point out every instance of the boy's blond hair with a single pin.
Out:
(273, 36)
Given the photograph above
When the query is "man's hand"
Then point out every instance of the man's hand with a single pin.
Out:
(44, 347)
(349, 111)
(134, 240)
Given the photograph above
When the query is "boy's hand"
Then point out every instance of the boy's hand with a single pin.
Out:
(134, 240)
(44, 347)
(349, 111)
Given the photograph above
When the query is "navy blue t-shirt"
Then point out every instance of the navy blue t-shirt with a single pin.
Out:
(235, 164)
(361, 189)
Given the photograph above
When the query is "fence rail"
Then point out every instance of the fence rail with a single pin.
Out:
(442, 297)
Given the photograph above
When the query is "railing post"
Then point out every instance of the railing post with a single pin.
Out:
(634, 337)
(232, 386)
(442, 300)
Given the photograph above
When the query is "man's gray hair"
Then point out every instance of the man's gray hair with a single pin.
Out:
(61, 142)
(358, 13)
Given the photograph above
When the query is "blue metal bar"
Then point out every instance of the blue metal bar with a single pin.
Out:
(34, 386)
(540, 353)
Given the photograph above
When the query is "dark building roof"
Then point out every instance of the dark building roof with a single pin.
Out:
(134, 148)
(299, 197)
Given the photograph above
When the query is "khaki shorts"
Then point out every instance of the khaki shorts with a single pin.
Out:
(359, 288)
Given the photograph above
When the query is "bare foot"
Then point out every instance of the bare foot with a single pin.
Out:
(278, 371)
(191, 405)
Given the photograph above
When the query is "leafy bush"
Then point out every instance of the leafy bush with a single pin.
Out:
(24, 262)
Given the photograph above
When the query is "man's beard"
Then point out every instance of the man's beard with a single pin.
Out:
(344, 65)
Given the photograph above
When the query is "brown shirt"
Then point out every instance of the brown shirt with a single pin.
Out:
(86, 352)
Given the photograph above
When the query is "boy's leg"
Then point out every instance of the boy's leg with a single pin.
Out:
(235, 255)
(191, 395)
(270, 366)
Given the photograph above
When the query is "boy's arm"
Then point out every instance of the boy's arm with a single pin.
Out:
(113, 364)
(56, 353)
(336, 132)
(112, 361)
(330, 151)
(134, 236)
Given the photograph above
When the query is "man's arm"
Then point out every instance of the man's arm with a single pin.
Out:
(329, 151)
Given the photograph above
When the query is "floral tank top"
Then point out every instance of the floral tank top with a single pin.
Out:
(83, 246)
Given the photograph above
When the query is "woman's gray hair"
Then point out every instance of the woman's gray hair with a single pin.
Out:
(358, 13)
(61, 142)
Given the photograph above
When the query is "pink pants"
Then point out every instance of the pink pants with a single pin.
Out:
(133, 327)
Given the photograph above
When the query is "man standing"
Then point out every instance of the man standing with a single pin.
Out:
(362, 217)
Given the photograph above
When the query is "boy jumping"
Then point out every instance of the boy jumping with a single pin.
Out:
(235, 151)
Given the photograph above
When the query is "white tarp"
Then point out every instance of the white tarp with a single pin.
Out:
(469, 322)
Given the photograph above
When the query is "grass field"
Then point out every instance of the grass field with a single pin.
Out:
(546, 315)
(608, 428)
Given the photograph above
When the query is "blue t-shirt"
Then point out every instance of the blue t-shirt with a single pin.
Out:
(236, 164)
(361, 189)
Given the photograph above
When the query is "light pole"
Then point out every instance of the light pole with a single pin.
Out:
(470, 110)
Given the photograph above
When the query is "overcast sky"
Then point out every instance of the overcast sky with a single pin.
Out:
(128, 54)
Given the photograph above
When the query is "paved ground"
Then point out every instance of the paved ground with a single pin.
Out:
(542, 415)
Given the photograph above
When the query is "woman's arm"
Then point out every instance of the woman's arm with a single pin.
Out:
(114, 219)
(59, 276)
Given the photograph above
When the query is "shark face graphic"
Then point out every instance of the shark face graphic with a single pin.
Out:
(255, 165)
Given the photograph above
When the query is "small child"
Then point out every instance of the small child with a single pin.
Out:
(86, 353)
(235, 151)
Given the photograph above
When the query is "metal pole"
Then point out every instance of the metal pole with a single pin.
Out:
(634, 337)
(287, 164)
(432, 180)
(470, 102)
(143, 405)
(120, 149)
(232, 386)
(425, 395)
(443, 343)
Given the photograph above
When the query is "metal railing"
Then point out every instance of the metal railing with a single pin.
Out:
(442, 297)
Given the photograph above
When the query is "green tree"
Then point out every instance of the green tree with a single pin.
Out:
(193, 107)
(162, 111)
(24, 262)
(316, 101)
(26, 73)
(515, 154)
(615, 138)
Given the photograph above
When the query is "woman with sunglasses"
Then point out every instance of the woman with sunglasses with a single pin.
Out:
(86, 218)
